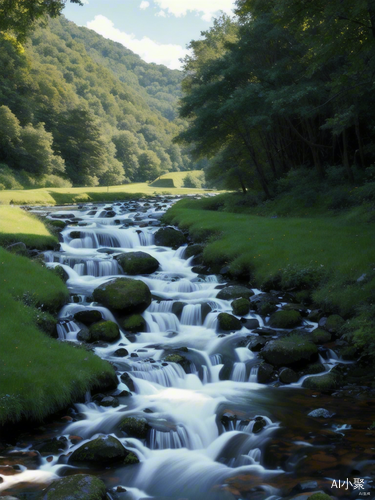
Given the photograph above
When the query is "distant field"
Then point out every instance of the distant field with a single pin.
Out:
(173, 179)
(55, 196)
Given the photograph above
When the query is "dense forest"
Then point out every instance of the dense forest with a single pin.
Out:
(76, 108)
(282, 94)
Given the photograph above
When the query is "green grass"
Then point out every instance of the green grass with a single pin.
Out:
(174, 179)
(18, 225)
(56, 196)
(38, 374)
(327, 254)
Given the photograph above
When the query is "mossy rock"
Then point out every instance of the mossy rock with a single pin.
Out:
(288, 376)
(52, 446)
(46, 322)
(234, 292)
(137, 263)
(134, 427)
(349, 353)
(227, 322)
(169, 237)
(75, 234)
(285, 319)
(88, 316)
(334, 323)
(108, 331)
(77, 487)
(60, 272)
(241, 307)
(288, 351)
(102, 450)
(134, 323)
(324, 383)
(320, 336)
(314, 369)
(124, 295)
(60, 224)
(193, 250)
(319, 496)
(304, 297)
(266, 308)
(265, 372)
(175, 358)
(296, 307)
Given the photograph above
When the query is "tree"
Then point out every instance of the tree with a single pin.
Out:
(149, 167)
(19, 17)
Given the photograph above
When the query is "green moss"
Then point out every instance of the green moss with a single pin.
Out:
(227, 322)
(193, 250)
(174, 358)
(320, 336)
(234, 292)
(137, 263)
(324, 383)
(134, 323)
(285, 319)
(107, 331)
(240, 307)
(76, 487)
(266, 308)
(60, 272)
(169, 237)
(104, 449)
(88, 316)
(60, 224)
(289, 350)
(134, 427)
(334, 323)
(124, 295)
(314, 369)
(45, 322)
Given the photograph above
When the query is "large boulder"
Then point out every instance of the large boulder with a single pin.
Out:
(234, 292)
(88, 316)
(332, 324)
(102, 450)
(108, 331)
(320, 336)
(77, 487)
(124, 295)
(227, 322)
(264, 303)
(285, 319)
(169, 237)
(288, 351)
(137, 263)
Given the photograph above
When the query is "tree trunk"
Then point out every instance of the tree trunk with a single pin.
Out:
(359, 139)
(314, 150)
(346, 158)
(371, 11)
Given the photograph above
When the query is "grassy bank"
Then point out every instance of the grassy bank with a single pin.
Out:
(17, 225)
(38, 374)
(56, 196)
(323, 256)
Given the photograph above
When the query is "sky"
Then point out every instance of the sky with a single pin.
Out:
(157, 30)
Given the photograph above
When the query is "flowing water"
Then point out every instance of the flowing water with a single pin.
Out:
(215, 432)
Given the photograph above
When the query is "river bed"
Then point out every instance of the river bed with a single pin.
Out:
(211, 436)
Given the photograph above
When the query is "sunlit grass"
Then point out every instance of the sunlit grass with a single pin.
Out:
(38, 374)
(53, 196)
(335, 248)
(18, 225)
(176, 177)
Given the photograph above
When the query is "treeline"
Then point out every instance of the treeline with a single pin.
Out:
(283, 85)
(78, 109)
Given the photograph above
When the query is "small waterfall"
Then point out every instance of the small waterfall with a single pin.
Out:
(254, 374)
(161, 322)
(192, 315)
(165, 306)
(168, 440)
(167, 375)
(239, 372)
(67, 330)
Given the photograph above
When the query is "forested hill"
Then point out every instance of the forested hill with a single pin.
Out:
(76, 107)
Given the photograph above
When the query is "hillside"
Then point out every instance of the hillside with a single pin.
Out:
(79, 109)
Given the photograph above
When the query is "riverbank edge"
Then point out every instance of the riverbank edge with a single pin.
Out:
(308, 288)
(31, 296)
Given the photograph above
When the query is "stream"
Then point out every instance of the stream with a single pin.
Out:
(214, 432)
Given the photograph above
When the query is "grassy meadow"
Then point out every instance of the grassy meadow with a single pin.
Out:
(324, 255)
(56, 196)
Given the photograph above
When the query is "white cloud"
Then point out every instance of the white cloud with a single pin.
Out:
(144, 4)
(150, 51)
(206, 8)
(86, 2)
(161, 13)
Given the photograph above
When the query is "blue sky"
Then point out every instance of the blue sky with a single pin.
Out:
(157, 30)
